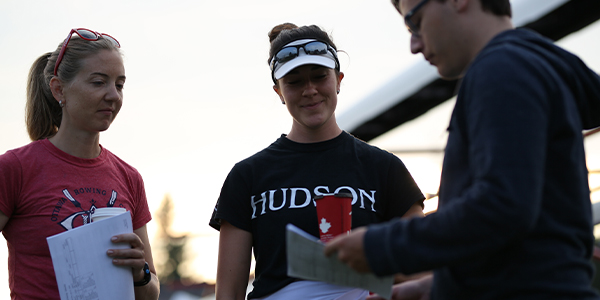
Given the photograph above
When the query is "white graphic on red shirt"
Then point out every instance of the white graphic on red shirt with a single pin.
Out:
(69, 222)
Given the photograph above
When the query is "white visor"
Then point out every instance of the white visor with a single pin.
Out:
(325, 60)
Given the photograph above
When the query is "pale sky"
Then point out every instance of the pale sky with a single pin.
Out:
(198, 96)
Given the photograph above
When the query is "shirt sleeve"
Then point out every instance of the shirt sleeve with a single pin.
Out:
(10, 182)
(142, 213)
(233, 203)
(401, 190)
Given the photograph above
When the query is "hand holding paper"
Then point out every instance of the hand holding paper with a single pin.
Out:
(82, 268)
(132, 256)
(349, 249)
(306, 260)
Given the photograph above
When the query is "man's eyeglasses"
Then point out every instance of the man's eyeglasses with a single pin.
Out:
(412, 27)
(86, 34)
(311, 48)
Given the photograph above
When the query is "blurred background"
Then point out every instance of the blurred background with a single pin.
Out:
(199, 98)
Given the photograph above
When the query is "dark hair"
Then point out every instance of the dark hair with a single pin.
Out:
(43, 114)
(286, 33)
(496, 7)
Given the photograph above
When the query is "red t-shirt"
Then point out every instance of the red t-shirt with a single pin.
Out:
(45, 191)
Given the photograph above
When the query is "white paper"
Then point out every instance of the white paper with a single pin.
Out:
(305, 260)
(82, 268)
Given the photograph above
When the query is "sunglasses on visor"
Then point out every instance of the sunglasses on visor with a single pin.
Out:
(86, 34)
(311, 48)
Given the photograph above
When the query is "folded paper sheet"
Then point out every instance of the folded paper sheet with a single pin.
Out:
(306, 260)
(82, 268)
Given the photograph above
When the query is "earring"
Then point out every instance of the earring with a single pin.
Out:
(338, 91)
(61, 104)
(283, 102)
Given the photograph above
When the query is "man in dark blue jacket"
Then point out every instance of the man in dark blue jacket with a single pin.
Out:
(514, 218)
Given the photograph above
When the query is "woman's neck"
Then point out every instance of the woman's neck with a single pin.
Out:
(82, 145)
(301, 134)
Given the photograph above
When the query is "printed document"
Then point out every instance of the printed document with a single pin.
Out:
(83, 270)
(306, 261)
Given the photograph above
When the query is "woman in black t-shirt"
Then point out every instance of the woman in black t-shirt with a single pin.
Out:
(276, 186)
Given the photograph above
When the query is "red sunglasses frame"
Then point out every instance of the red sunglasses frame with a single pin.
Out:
(96, 37)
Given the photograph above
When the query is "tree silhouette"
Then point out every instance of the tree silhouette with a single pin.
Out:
(171, 246)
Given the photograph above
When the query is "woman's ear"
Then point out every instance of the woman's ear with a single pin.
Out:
(56, 87)
(276, 89)
(339, 81)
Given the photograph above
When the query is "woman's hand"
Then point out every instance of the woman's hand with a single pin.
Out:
(133, 257)
(136, 256)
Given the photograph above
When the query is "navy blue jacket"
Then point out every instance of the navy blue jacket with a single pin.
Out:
(514, 218)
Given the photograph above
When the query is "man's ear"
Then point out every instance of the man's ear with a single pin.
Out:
(276, 89)
(56, 87)
(460, 5)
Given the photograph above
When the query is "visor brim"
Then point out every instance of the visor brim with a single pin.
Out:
(322, 60)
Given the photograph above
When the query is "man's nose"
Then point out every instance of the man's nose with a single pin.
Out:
(416, 43)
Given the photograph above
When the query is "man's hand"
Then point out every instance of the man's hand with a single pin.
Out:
(350, 249)
(417, 289)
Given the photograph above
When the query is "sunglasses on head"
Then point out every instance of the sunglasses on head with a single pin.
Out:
(311, 48)
(86, 34)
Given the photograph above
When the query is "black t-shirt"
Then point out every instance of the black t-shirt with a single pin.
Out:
(276, 186)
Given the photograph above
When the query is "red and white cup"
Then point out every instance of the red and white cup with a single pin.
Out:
(334, 213)
(106, 212)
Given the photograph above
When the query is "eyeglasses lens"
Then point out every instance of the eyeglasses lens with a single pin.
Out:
(412, 28)
(315, 48)
(110, 38)
(86, 34)
(286, 54)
